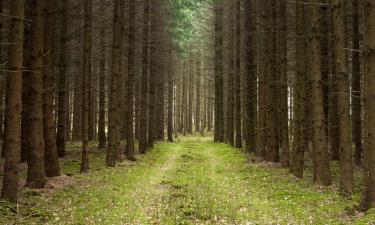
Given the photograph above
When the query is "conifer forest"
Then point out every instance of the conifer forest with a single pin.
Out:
(174, 112)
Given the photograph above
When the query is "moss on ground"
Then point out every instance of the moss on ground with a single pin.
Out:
(192, 181)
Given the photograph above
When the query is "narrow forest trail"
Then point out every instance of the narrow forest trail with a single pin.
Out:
(192, 181)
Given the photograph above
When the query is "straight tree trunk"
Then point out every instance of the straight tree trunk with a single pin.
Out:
(61, 110)
(343, 104)
(143, 140)
(299, 144)
(263, 60)
(321, 159)
(51, 159)
(36, 174)
(251, 75)
(130, 85)
(237, 80)
(12, 138)
(154, 42)
(170, 97)
(368, 194)
(231, 76)
(356, 86)
(219, 109)
(198, 97)
(283, 70)
(113, 153)
(102, 78)
(86, 86)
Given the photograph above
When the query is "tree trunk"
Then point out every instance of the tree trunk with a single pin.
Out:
(356, 86)
(85, 85)
(143, 140)
(102, 79)
(130, 85)
(343, 104)
(321, 159)
(219, 113)
(283, 70)
(230, 70)
(61, 110)
(51, 159)
(198, 97)
(368, 194)
(299, 144)
(12, 138)
(36, 175)
(251, 73)
(237, 80)
(263, 60)
(170, 97)
(113, 153)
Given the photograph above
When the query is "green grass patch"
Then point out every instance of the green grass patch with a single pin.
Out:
(191, 181)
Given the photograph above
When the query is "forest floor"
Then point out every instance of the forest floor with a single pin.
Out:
(191, 181)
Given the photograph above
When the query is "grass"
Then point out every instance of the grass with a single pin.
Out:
(192, 181)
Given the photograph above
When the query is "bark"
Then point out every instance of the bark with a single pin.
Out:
(170, 97)
(154, 30)
(283, 71)
(102, 79)
(272, 89)
(143, 140)
(251, 75)
(219, 113)
(343, 104)
(85, 88)
(263, 63)
(113, 153)
(51, 159)
(61, 110)
(237, 80)
(230, 84)
(12, 138)
(36, 175)
(299, 144)
(321, 159)
(356, 86)
(198, 97)
(129, 132)
(368, 194)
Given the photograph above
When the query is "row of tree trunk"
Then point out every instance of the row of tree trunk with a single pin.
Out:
(117, 82)
(293, 83)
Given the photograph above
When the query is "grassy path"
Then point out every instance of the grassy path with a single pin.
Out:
(192, 181)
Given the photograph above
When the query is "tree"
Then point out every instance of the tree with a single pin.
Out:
(85, 85)
(282, 63)
(237, 80)
(343, 105)
(368, 194)
(219, 113)
(356, 86)
(250, 74)
(143, 140)
(51, 159)
(130, 85)
(12, 138)
(102, 78)
(113, 153)
(299, 143)
(263, 60)
(170, 96)
(36, 175)
(61, 110)
(321, 160)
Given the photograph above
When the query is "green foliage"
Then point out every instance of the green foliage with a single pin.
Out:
(184, 22)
